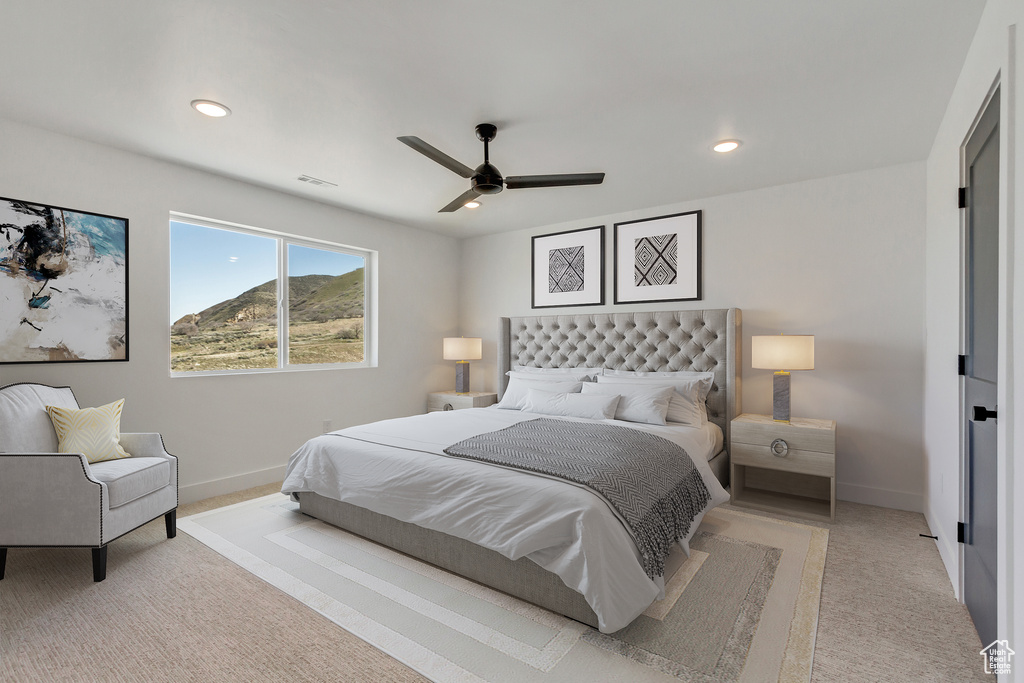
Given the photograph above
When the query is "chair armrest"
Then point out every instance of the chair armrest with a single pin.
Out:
(145, 445)
(49, 499)
(151, 445)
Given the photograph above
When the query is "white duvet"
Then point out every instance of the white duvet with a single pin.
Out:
(397, 468)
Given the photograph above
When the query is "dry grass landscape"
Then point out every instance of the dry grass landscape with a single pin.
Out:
(325, 325)
(253, 344)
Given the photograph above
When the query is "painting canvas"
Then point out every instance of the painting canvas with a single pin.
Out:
(63, 284)
(658, 259)
(568, 268)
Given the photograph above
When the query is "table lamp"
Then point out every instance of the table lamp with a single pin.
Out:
(462, 350)
(782, 353)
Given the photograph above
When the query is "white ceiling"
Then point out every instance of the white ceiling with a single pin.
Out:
(639, 89)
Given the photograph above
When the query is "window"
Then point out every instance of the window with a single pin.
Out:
(248, 300)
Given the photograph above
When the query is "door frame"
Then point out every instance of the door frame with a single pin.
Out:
(1004, 394)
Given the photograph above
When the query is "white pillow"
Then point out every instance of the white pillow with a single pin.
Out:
(579, 374)
(571, 405)
(638, 403)
(689, 400)
(515, 394)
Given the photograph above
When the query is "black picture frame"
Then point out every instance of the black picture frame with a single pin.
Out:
(658, 259)
(582, 254)
(64, 290)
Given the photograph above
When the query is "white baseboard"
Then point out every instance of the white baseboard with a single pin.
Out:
(886, 498)
(949, 552)
(239, 482)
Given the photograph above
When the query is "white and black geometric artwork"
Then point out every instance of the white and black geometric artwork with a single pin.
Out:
(656, 260)
(568, 268)
(565, 270)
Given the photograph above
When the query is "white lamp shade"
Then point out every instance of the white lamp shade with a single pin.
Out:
(782, 352)
(463, 348)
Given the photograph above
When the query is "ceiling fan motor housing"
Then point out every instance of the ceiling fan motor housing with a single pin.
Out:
(487, 179)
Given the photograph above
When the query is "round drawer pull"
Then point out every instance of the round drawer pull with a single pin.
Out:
(779, 448)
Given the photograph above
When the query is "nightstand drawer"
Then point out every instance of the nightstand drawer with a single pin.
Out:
(795, 460)
(801, 434)
(439, 400)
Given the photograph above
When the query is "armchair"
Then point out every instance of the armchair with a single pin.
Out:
(51, 499)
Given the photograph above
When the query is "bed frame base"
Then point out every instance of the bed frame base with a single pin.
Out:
(522, 578)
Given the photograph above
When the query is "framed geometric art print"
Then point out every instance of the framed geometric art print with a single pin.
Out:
(63, 284)
(658, 259)
(568, 268)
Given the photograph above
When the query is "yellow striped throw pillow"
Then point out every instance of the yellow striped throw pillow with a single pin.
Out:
(93, 432)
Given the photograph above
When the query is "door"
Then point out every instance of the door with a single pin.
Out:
(981, 281)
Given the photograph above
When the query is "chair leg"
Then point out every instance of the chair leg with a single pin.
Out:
(3, 562)
(171, 521)
(99, 564)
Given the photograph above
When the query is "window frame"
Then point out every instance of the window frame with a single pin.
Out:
(283, 240)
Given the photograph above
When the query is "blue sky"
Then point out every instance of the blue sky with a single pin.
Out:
(209, 265)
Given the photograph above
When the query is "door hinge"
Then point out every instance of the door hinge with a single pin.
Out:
(961, 201)
(960, 532)
(961, 365)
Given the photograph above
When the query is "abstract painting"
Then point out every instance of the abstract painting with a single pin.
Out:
(568, 268)
(658, 259)
(63, 284)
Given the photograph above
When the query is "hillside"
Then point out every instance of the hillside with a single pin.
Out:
(312, 298)
(337, 297)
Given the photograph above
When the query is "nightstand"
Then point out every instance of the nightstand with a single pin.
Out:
(784, 467)
(449, 400)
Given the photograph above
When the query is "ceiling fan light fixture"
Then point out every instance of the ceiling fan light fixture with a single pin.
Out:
(724, 146)
(472, 204)
(210, 108)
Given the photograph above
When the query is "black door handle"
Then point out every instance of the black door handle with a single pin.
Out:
(981, 413)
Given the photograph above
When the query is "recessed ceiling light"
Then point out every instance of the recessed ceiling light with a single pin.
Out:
(210, 108)
(472, 204)
(726, 146)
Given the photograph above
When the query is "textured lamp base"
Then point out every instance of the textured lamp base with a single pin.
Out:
(780, 397)
(462, 377)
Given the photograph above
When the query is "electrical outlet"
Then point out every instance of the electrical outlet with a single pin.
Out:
(327, 426)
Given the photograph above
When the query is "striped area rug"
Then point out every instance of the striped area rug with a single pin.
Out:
(743, 606)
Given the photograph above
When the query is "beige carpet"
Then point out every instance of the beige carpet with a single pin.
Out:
(888, 614)
(169, 610)
(742, 607)
(181, 612)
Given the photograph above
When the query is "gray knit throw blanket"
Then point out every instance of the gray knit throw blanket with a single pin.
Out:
(650, 482)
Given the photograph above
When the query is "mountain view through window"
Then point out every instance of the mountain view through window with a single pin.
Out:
(229, 307)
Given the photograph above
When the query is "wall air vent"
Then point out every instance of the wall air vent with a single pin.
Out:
(316, 181)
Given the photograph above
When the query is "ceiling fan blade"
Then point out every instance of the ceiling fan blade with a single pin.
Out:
(461, 201)
(437, 155)
(516, 182)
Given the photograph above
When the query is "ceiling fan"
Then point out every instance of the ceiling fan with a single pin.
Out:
(486, 179)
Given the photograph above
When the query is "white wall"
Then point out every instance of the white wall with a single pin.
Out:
(233, 431)
(993, 57)
(841, 258)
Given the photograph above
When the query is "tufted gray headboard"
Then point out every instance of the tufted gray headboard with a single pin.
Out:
(702, 341)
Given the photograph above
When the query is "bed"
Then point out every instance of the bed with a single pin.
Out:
(385, 481)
